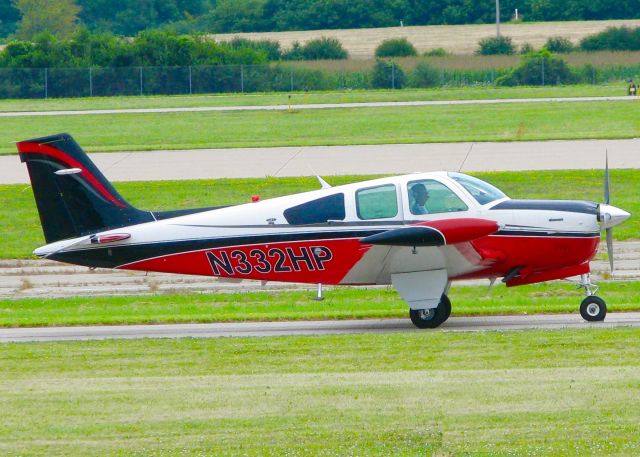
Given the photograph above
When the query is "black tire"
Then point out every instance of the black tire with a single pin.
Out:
(593, 309)
(431, 318)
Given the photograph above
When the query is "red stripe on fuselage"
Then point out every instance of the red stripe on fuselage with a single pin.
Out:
(43, 149)
(314, 261)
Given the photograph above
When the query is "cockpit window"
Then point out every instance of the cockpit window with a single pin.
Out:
(482, 191)
(317, 211)
(430, 197)
(379, 202)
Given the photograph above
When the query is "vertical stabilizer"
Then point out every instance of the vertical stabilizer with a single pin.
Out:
(73, 196)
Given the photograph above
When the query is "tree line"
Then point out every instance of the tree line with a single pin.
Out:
(156, 48)
(127, 18)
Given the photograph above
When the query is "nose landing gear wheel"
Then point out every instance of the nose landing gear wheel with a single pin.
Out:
(593, 309)
(431, 318)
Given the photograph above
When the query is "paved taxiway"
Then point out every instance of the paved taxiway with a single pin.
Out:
(356, 160)
(264, 329)
(313, 106)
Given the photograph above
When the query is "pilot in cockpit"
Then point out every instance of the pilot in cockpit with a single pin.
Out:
(419, 195)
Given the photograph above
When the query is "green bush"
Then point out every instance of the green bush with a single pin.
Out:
(527, 48)
(559, 45)
(270, 47)
(324, 48)
(613, 39)
(436, 52)
(318, 49)
(537, 69)
(395, 47)
(424, 75)
(387, 75)
(496, 45)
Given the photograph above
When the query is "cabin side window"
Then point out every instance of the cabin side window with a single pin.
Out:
(431, 197)
(380, 202)
(318, 211)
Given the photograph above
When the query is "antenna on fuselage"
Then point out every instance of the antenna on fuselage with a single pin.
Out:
(465, 157)
(323, 184)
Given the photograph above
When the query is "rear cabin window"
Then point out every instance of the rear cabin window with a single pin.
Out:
(318, 211)
(379, 202)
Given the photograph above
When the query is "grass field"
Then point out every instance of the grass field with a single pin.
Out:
(388, 125)
(406, 394)
(340, 303)
(21, 233)
(299, 98)
(456, 39)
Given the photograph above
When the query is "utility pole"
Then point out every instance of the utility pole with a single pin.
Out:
(498, 18)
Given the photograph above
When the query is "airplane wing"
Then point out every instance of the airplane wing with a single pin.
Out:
(422, 277)
(435, 233)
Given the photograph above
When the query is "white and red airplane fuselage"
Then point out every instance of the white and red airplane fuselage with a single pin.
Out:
(418, 232)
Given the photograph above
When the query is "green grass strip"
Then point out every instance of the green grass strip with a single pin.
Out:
(340, 303)
(301, 98)
(345, 126)
(20, 230)
(568, 392)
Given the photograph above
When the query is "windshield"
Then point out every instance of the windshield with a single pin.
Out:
(483, 192)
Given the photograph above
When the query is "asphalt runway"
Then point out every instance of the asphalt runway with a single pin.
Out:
(267, 329)
(328, 161)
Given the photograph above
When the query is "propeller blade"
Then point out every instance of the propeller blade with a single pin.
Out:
(606, 178)
(610, 248)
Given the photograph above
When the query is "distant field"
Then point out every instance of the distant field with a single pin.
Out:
(339, 126)
(302, 98)
(563, 392)
(457, 39)
(21, 233)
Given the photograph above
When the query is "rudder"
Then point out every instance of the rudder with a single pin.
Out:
(73, 196)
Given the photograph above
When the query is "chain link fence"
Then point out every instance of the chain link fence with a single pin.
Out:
(118, 81)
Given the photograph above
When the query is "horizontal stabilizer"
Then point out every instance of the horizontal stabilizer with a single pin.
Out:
(435, 233)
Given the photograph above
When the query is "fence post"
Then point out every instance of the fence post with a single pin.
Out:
(393, 76)
(291, 69)
(542, 66)
(140, 80)
(242, 78)
(593, 79)
(343, 82)
(90, 82)
(190, 81)
(46, 83)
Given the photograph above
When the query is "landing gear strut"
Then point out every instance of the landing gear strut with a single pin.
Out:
(592, 308)
(431, 318)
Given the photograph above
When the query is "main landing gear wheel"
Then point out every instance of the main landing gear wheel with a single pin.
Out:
(593, 309)
(431, 318)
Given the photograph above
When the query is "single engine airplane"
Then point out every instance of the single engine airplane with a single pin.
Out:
(418, 232)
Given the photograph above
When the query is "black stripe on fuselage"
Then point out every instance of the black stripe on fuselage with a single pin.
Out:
(115, 256)
(569, 206)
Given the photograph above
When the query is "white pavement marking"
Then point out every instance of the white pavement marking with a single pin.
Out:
(266, 329)
(356, 160)
(313, 106)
